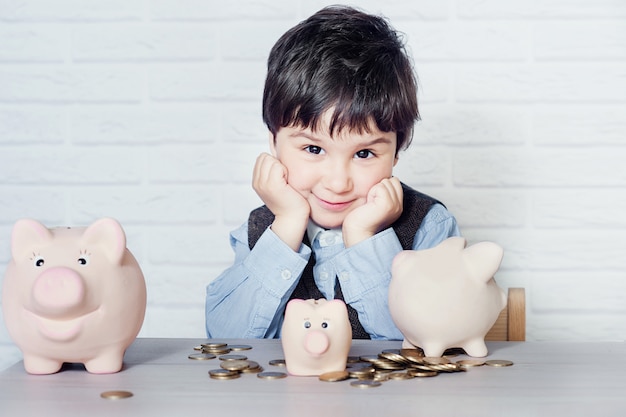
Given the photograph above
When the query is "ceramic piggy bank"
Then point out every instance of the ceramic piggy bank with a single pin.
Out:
(72, 295)
(446, 296)
(316, 336)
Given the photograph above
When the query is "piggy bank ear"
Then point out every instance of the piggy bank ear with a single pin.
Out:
(483, 260)
(27, 235)
(106, 234)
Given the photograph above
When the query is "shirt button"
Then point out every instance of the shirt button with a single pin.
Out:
(324, 276)
(344, 276)
(285, 274)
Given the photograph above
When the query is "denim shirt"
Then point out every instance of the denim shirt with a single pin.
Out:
(248, 299)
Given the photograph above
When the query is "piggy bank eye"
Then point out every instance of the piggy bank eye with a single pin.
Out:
(324, 325)
(83, 260)
(307, 324)
(39, 261)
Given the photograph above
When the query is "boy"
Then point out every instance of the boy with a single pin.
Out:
(340, 102)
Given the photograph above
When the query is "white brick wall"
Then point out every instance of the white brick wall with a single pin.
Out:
(149, 111)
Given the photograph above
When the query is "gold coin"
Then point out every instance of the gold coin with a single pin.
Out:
(413, 355)
(116, 395)
(271, 375)
(381, 376)
(422, 373)
(213, 345)
(216, 351)
(277, 362)
(361, 372)
(468, 363)
(436, 360)
(235, 365)
(395, 357)
(253, 368)
(201, 356)
(334, 376)
(239, 347)
(223, 374)
(400, 375)
(498, 362)
(369, 358)
(233, 357)
(365, 383)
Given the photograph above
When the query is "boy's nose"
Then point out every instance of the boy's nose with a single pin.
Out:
(338, 179)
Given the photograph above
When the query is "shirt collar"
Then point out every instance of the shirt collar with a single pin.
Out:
(327, 237)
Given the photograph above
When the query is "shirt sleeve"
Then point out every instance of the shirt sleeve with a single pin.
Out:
(364, 270)
(247, 299)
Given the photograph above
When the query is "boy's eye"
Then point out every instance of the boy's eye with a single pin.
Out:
(364, 153)
(314, 149)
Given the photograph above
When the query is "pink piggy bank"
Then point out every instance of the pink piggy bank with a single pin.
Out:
(446, 296)
(316, 336)
(72, 295)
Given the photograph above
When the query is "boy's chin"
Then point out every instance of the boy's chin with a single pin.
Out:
(327, 224)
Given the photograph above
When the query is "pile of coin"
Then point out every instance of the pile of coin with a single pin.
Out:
(232, 365)
(367, 370)
(402, 364)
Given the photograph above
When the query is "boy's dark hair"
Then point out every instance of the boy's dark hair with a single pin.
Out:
(343, 58)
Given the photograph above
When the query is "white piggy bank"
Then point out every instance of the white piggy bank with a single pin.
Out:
(316, 336)
(72, 295)
(446, 296)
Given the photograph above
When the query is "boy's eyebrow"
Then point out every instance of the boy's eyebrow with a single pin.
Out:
(381, 139)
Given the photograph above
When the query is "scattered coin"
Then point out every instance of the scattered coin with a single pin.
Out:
(469, 363)
(271, 375)
(498, 362)
(116, 395)
(201, 356)
(334, 376)
(223, 374)
(214, 345)
(217, 351)
(365, 383)
(436, 360)
(235, 365)
(422, 373)
(253, 368)
(233, 357)
(239, 347)
(400, 375)
(362, 372)
(277, 362)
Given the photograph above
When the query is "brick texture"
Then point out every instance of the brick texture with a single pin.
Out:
(149, 111)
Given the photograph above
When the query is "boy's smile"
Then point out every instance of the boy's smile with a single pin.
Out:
(334, 173)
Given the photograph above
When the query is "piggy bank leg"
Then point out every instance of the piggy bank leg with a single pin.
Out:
(408, 345)
(38, 365)
(476, 348)
(433, 350)
(107, 362)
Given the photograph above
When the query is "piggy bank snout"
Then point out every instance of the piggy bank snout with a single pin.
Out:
(58, 291)
(316, 342)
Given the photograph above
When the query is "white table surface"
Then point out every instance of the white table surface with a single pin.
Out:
(547, 379)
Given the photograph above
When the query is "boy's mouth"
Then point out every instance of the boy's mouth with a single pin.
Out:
(334, 206)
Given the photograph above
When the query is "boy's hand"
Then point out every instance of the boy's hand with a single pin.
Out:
(290, 209)
(383, 207)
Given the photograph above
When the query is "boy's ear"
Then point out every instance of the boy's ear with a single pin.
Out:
(395, 160)
(272, 145)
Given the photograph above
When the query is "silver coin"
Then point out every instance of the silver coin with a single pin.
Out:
(365, 383)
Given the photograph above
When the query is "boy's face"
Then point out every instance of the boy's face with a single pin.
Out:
(334, 174)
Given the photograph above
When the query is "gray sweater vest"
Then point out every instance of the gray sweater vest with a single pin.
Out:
(415, 207)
